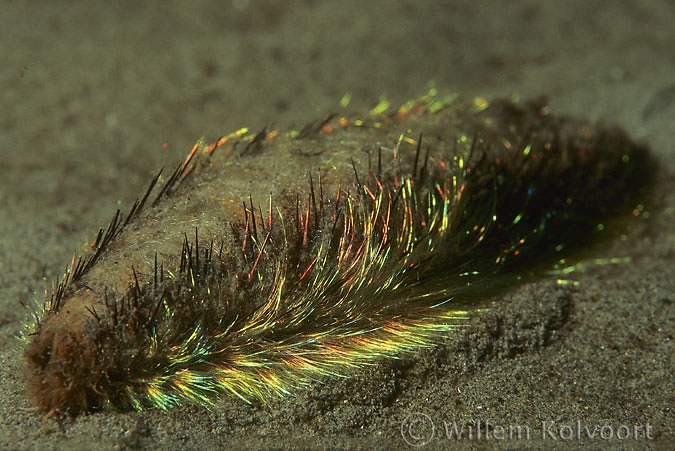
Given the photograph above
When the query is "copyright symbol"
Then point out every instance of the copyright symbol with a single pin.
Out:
(417, 429)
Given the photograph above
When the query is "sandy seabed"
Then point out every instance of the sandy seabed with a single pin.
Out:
(96, 97)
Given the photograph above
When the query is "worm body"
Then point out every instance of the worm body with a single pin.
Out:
(266, 261)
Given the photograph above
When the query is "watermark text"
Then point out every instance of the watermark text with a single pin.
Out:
(419, 429)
